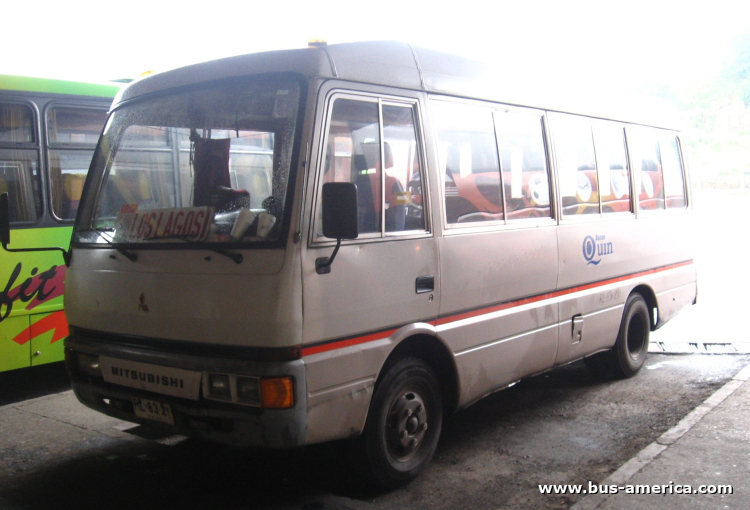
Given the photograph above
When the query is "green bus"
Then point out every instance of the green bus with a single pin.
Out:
(48, 132)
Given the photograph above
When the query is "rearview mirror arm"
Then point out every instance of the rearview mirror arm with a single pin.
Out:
(65, 253)
(323, 264)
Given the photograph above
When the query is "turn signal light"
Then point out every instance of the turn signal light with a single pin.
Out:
(277, 392)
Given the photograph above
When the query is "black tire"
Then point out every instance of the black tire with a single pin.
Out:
(628, 355)
(403, 425)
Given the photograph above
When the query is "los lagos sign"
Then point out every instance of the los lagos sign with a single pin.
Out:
(191, 223)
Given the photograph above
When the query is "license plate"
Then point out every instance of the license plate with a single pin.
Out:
(153, 410)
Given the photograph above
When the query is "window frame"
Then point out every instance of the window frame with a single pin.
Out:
(380, 99)
(49, 147)
(504, 224)
(667, 137)
(34, 145)
(632, 132)
(595, 124)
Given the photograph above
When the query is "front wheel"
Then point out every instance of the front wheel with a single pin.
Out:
(404, 422)
(628, 355)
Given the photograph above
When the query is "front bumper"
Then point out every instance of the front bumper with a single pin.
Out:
(223, 422)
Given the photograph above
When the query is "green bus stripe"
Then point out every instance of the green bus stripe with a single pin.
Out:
(47, 85)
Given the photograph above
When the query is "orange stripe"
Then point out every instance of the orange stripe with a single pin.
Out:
(307, 351)
(552, 295)
(316, 349)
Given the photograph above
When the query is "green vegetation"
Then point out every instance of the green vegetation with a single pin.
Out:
(717, 114)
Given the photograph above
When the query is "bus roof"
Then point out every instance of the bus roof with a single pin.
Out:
(52, 86)
(401, 65)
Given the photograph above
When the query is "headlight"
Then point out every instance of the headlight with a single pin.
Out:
(248, 390)
(268, 392)
(218, 386)
(86, 363)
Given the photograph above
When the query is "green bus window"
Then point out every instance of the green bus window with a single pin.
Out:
(73, 126)
(72, 134)
(16, 124)
(19, 167)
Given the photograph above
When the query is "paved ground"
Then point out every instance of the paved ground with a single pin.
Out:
(563, 427)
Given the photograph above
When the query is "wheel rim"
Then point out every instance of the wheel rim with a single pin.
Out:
(636, 335)
(406, 425)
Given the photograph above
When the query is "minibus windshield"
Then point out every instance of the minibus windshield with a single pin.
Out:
(200, 166)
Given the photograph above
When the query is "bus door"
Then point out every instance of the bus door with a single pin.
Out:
(386, 280)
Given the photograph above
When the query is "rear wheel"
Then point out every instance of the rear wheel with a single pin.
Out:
(628, 355)
(404, 422)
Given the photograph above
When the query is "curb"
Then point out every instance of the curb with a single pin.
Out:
(670, 437)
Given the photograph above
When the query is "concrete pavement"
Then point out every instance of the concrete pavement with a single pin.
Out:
(708, 450)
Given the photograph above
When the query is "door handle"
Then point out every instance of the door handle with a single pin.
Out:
(425, 284)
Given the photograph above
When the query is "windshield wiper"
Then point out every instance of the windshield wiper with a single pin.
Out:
(132, 257)
(236, 257)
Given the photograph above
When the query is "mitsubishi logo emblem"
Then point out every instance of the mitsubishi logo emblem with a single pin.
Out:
(142, 306)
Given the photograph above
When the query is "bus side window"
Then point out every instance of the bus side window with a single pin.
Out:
(469, 163)
(401, 151)
(576, 165)
(354, 153)
(19, 162)
(674, 181)
(646, 163)
(614, 178)
(523, 159)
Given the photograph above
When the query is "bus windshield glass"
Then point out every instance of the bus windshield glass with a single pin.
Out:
(206, 166)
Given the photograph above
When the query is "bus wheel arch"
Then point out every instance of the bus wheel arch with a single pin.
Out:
(648, 295)
(415, 388)
(433, 352)
(628, 355)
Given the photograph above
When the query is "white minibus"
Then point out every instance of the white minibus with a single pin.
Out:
(352, 241)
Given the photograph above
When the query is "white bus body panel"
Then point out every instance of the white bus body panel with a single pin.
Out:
(358, 310)
(178, 295)
(498, 339)
(599, 287)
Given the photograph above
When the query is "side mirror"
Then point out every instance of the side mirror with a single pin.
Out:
(340, 210)
(340, 219)
(4, 220)
(5, 232)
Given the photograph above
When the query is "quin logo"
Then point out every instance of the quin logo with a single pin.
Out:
(594, 248)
